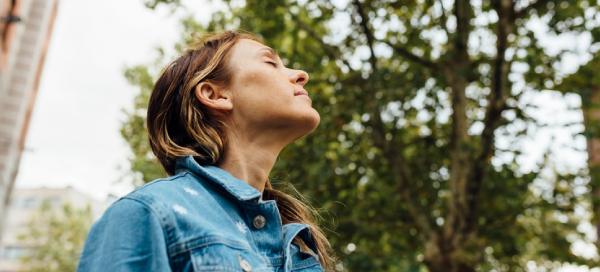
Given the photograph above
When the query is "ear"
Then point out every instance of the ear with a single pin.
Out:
(213, 96)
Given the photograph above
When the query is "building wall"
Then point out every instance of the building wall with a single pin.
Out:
(24, 203)
(23, 47)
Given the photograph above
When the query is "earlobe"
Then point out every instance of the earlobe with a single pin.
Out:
(213, 96)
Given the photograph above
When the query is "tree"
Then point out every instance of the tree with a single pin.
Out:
(55, 238)
(423, 109)
(143, 165)
(586, 83)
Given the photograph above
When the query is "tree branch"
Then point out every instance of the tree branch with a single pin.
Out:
(533, 6)
(396, 159)
(410, 56)
(399, 168)
(370, 39)
(456, 233)
(443, 17)
(497, 104)
(151, 4)
(335, 7)
(331, 50)
(463, 12)
(401, 171)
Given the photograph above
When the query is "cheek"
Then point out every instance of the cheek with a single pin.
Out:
(263, 87)
(257, 101)
(264, 94)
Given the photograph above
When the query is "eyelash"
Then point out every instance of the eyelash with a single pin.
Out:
(274, 64)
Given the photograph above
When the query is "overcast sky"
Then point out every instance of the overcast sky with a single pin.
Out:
(74, 134)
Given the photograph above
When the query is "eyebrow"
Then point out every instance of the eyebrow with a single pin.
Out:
(273, 52)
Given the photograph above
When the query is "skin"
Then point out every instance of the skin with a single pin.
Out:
(267, 108)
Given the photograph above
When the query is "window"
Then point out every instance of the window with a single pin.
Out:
(17, 202)
(54, 202)
(32, 202)
(14, 253)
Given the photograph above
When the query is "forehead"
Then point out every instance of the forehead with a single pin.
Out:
(247, 48)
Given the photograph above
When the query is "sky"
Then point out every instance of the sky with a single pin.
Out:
(74, 137)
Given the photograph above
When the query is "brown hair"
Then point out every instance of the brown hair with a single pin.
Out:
(180, 125)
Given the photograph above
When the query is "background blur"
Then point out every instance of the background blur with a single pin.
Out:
(433, 152)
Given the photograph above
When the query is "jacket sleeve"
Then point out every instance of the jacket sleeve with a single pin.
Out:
(128, 237)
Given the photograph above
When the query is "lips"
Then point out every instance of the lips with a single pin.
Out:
(301, 92)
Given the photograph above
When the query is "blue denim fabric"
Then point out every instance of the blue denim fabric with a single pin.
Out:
(200, 219)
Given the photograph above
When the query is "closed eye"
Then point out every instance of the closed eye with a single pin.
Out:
(273, 63)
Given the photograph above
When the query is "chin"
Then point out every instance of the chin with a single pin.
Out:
(317, 118)
(308, 123)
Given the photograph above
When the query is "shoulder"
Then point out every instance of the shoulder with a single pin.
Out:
(128, 237)
(178, 187)
(181, 200)
(187, 207)
(157, 202)
(159, 198)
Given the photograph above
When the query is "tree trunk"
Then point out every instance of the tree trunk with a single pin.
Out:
(591, 119)
(446, 261)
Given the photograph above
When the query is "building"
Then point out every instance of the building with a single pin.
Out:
(24, 203)
(25, 29)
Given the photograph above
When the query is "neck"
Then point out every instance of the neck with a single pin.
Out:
(250, 160)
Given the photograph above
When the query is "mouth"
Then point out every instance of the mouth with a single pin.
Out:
(301, 92)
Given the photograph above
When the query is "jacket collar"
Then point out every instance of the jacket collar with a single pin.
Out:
(219, 177)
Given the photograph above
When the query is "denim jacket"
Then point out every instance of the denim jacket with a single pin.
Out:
(201, 219)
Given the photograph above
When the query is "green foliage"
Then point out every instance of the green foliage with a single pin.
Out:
(144, 167)
(153, 3)
(55, 238)
(409, 134)
(586, 83)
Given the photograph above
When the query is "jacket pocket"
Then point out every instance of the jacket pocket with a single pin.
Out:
(308, 265)
(304, 262)
(224, 257)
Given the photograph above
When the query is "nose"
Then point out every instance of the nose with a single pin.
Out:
(299, 77)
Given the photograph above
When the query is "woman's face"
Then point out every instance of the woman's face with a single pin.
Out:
(266, 96)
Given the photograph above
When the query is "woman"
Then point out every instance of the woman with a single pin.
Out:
(217, 119)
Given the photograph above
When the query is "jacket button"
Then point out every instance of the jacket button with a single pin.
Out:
(244, 264)
(259, 221)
